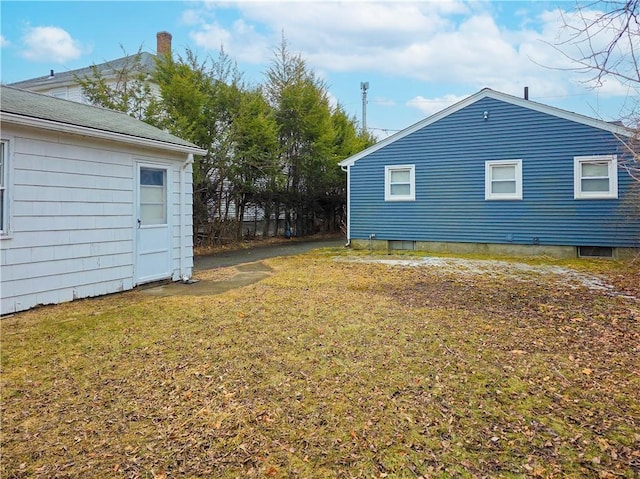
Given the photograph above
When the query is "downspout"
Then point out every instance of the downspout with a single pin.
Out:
(183, 208)
(348, 170)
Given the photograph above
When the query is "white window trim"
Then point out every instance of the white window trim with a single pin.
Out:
(578, 194)
(412, 183)
(488, 166)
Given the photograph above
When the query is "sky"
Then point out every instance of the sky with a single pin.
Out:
(417, 57)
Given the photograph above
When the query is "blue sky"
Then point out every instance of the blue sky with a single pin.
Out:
(418, 57)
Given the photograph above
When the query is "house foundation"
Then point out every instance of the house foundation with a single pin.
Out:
(489, 249)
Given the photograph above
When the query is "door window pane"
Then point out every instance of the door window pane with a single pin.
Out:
(153, 196)
(152, 176)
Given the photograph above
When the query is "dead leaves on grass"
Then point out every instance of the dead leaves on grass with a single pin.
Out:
(334, 370)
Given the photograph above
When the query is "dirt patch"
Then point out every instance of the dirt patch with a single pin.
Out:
(518, 272)
(217, 281)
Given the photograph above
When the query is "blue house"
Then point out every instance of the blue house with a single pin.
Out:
(497, 174)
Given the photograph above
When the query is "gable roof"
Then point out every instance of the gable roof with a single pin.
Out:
(43, 111)
(496, 95)
(146, 62)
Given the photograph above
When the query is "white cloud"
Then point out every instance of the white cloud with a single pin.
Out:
(382, 101)
(190, 17)
(241, 41)
(4, 42)
(50, 44)
(456, 43)
(429, 106)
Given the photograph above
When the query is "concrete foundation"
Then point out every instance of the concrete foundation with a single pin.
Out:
(489, 249)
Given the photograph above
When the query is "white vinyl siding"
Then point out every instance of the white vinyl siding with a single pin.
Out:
(503, 180)
(595, 177)
(399, 183)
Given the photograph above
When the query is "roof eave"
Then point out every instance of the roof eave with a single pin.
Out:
(96, 133)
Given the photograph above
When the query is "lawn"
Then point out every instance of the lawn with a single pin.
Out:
(335, 365)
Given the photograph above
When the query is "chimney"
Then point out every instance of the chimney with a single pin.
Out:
(526, 93)
(163, 43)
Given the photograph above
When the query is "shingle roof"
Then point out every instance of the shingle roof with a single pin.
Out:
(37, 106)
(146, 61)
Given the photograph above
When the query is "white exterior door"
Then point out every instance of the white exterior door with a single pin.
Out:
(153, 241)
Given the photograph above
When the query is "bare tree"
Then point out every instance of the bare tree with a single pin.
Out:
(602, 38)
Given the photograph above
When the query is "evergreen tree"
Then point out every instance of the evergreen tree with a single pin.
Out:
(122, 88)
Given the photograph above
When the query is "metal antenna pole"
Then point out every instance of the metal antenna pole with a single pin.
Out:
(364, 86)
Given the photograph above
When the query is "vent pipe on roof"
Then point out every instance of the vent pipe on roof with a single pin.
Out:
(163, 43)
(526, 93)
(51, 75)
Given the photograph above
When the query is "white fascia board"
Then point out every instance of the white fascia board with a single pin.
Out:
(95, 133)
(488, 93)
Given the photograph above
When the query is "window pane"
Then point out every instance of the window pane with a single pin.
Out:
(149, 176)
(152, 214)
(400, 176)
(400, 190)
(596, 185)
(503, 187)
(151, 194)
(503, 172)
(595, 170)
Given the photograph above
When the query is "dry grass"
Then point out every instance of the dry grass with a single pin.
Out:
(331, 369)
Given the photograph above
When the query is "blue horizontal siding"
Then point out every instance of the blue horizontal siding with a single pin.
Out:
(450, 157)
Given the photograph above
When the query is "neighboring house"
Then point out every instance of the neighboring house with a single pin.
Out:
(92, 201)
(497, 173)
(65, 85)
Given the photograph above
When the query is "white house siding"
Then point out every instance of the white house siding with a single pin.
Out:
(72, 224)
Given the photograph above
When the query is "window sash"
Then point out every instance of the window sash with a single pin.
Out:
(596, 177)
(400, 183)
(503, 180)
(503, 187)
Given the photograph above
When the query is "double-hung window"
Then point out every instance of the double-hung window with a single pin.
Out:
(503, 180)
(4, 213)
(595, 177)
(400, 183)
